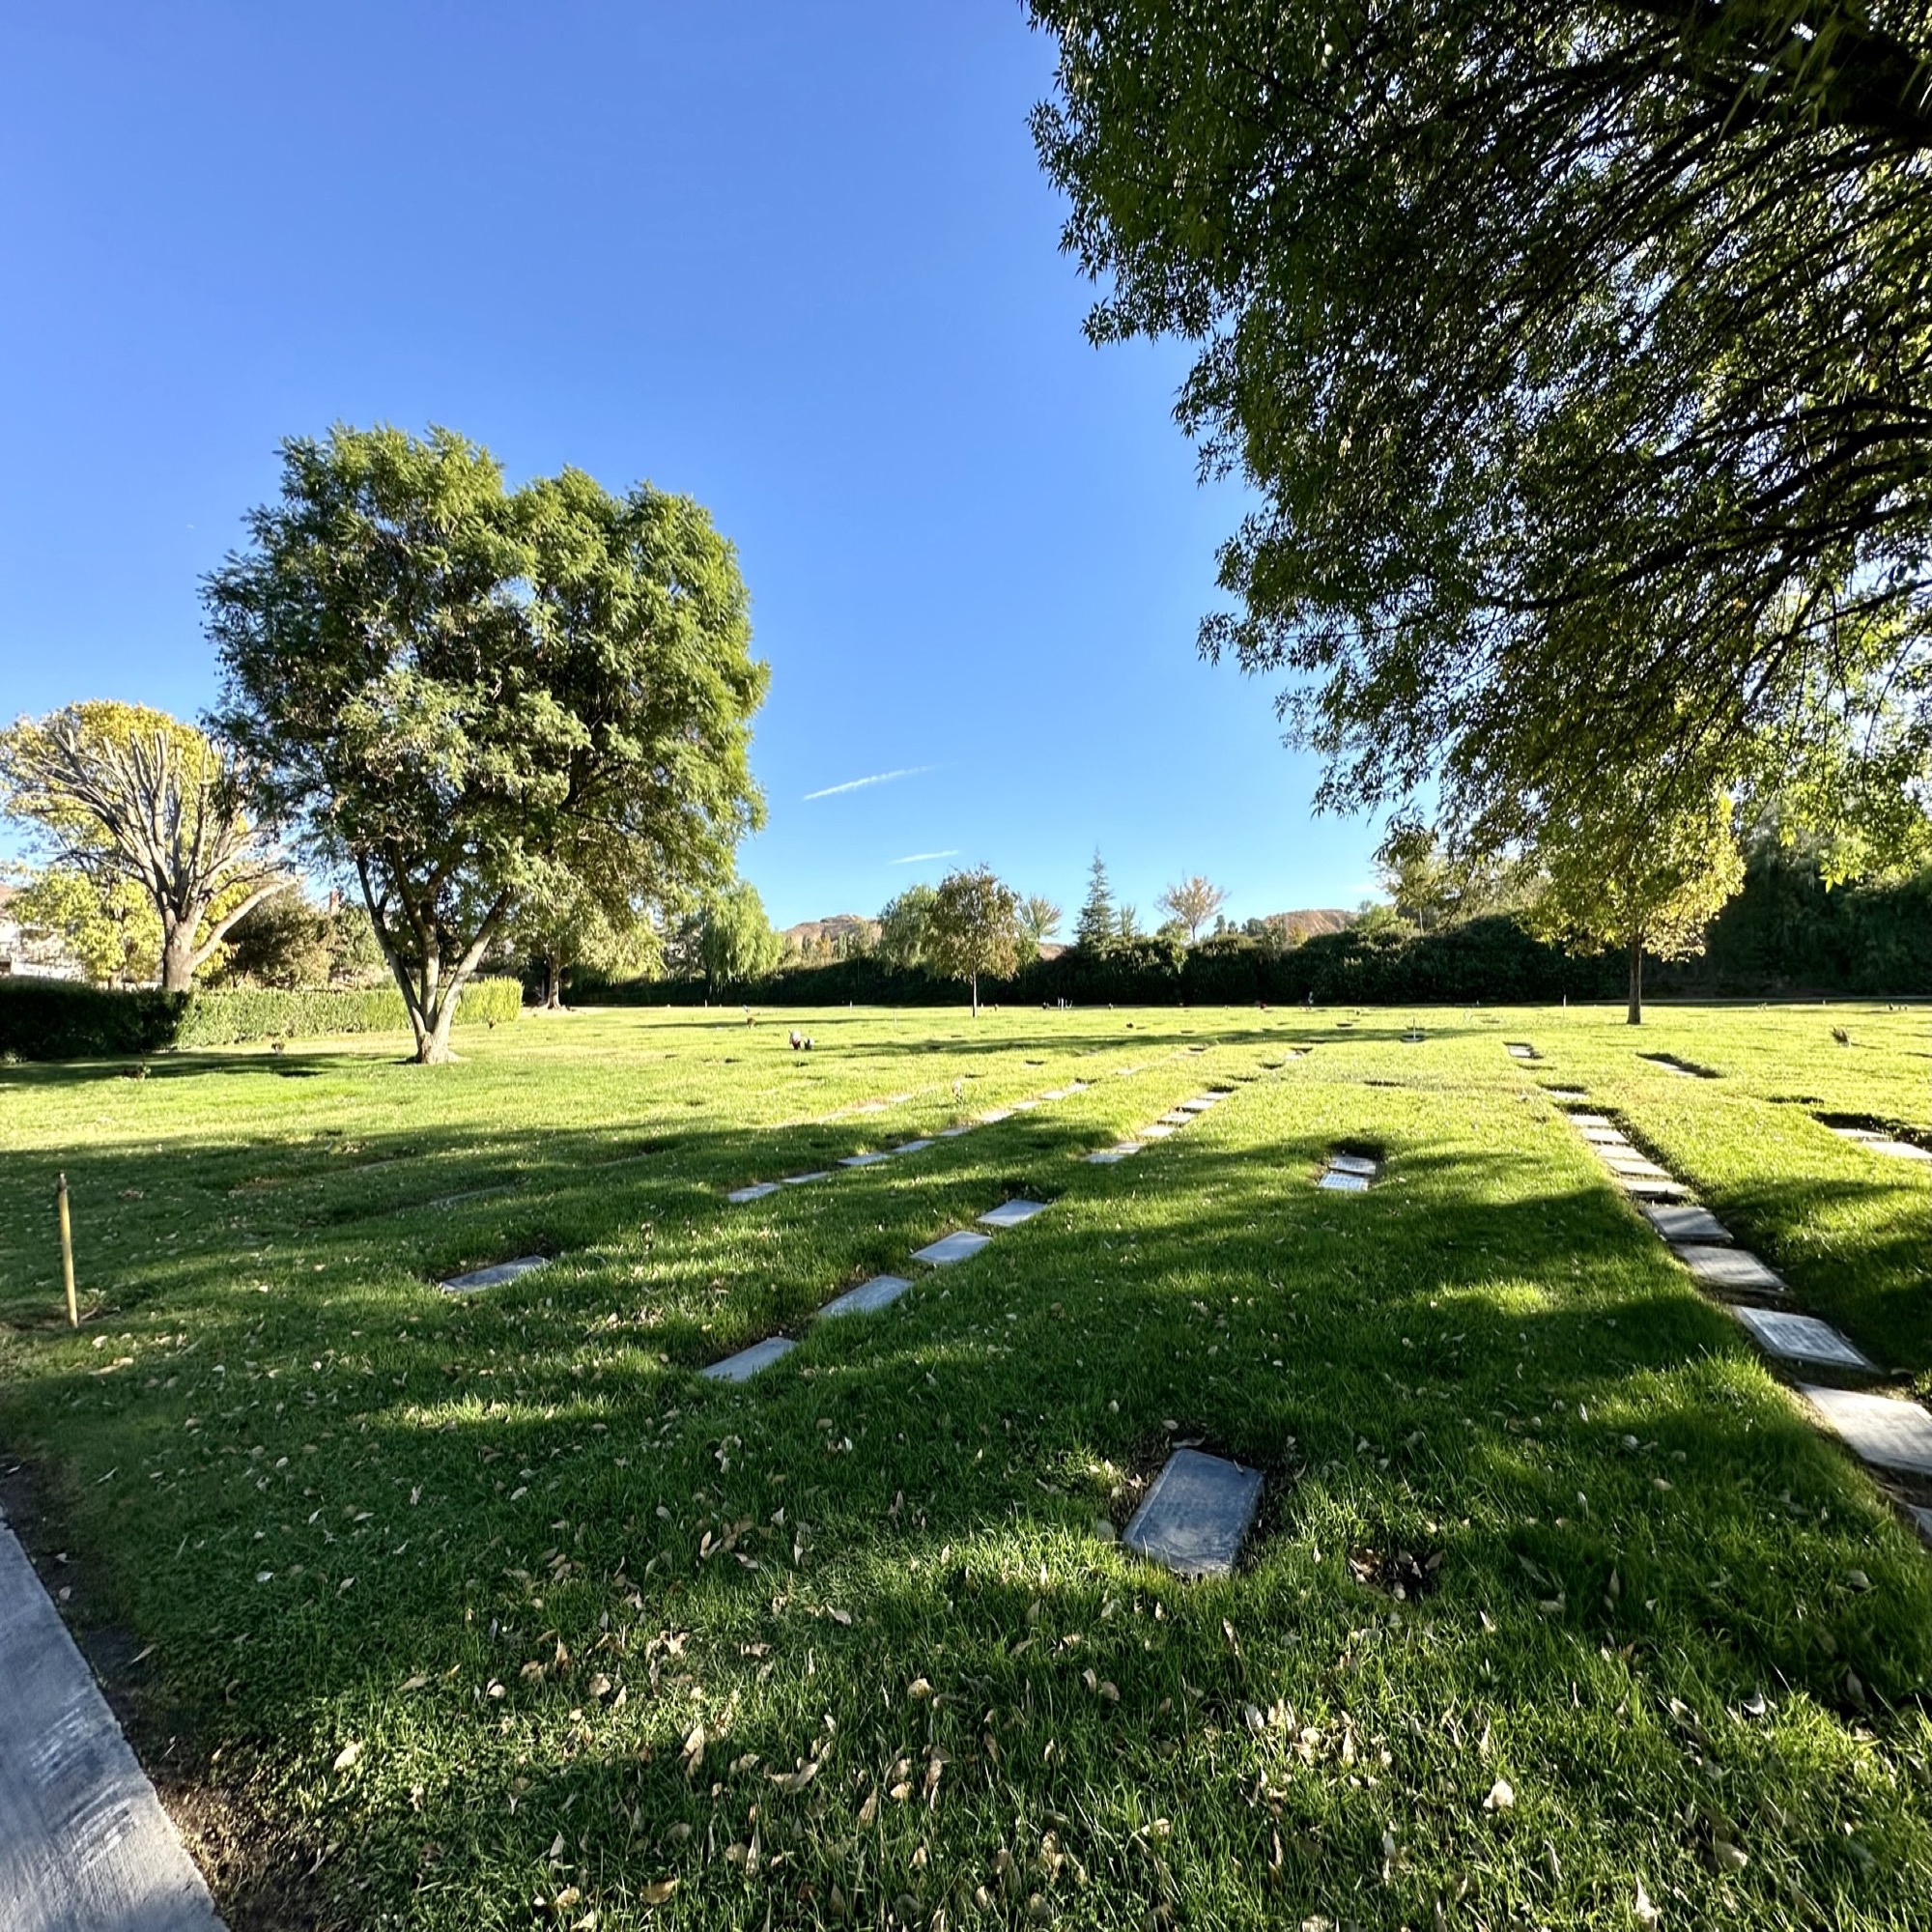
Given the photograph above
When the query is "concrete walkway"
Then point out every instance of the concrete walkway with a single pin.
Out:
(84, 1843)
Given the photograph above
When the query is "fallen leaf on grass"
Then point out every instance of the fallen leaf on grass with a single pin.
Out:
(415, 1683)
(346, 1758)
(795, 1780)
(1502, 1798)
(657, 1894)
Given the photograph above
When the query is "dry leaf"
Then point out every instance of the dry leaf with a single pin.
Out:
(346, 1756)
(1502, 1798)
(656, 1894)
(795, 1780)
(416, 1683)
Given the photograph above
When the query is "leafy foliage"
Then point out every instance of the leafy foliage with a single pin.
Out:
(1619, 872)
(973, 929)
(108, 926)
(1193, 902)
(739, 945)
(1536, 327)
(474, 698)
(129, 798)
(904, 926)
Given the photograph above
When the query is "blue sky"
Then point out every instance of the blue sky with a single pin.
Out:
(798, 261)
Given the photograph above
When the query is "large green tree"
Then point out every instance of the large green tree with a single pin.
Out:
(1521, 319)
(136, 800)
(973, 929)
(467, 696)
(904, 924)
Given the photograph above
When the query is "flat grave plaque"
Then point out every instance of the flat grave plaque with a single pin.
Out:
(1177, 1119)
(492, 1277)
(1729, 1267)
(881, 1292)
(1634, 1167)
(1592, 1121)
(1352, 1163)
(864, 1159)
(953, 1133)
(912, 1147)
(1337, 1183)
(1567, 1093)
(1107, 1156)
(746, 1362)
(1887, 1433)
(799, 1180)
(1800, 1338)
(1197, 1514)
(956, 1246)
(1682, 1221)
(1603, 1135)
(1198, 1105)
(1898, 1150)
(1159, 1131)
(993, 1116)
(1923, 1518)
(1012, 1213)
(1640, 1189)
(1520, 1050)
(755, 1192)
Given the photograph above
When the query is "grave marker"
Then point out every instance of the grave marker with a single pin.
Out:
(956, 1246)
(746, 1362)
(800, 1179)
(1012, 1213)
(490, 1277)
(1336, 1183)
(1353, 1163)
(881, 1292)
(1887, 1433)
(755, 1192)
(1684, 1222)
(1194, 1518)
(1800, 1338)
(864, 1159)
(912, 1147)
(1729, 1267)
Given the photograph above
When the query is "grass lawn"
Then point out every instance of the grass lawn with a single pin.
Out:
(492, 1613)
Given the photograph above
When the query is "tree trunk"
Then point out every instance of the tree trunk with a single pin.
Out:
(178, 958)
(973, 980)
(1636, 1013)
(552, 982)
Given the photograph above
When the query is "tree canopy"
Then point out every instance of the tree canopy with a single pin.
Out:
(469, 697)
(974, 927)
(737, 940)
(1533, 327)
(130, 798)
(1192, 901)
(1620, 872)
(1098, 925)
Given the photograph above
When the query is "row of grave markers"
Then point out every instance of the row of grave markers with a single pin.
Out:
(1883, 1432)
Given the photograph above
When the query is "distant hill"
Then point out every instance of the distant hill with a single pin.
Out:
(821, 936)
(1308, 921)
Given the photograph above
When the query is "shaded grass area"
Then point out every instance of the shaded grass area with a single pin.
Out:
(503, 1618)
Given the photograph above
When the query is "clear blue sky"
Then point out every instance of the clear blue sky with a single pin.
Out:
(797, 260)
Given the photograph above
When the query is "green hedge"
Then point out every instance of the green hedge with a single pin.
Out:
(55, 1019)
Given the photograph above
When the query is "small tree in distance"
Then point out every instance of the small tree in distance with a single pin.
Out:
(902, 928)
(1097, 928)
(1193, 902)
(973, 929)
(737, 939)
(1619, 872)
(1039, 920)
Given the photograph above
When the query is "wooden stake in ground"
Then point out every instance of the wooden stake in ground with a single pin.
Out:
(67, 1252)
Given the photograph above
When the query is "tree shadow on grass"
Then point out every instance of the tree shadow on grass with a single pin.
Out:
(1453, 1356)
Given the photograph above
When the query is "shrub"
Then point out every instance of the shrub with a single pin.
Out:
(55, 1019)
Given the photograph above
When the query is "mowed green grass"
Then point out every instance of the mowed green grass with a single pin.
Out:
(492, 1614)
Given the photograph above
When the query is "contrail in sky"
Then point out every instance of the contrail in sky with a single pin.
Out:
(877, 779)
(913, 857)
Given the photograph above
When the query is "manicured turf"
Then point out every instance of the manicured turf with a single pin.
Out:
(490, 1612)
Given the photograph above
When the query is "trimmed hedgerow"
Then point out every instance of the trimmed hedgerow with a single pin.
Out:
(55, 1019)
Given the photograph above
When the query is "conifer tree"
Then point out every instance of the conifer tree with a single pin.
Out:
(1097, 924)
